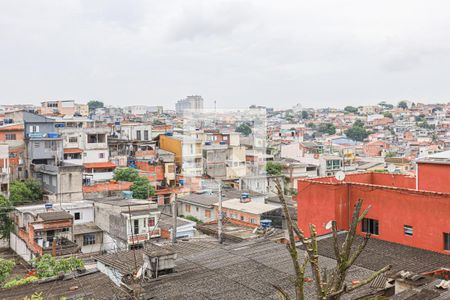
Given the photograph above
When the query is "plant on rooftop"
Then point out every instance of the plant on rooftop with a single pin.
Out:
(19, 281)
(194, 219)
(6, 267)
(48, 266)
(330, 284)
(93, 105)
(35, 296)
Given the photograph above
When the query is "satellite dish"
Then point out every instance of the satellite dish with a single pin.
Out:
(339, 176)
(329, 225)
(391, 168)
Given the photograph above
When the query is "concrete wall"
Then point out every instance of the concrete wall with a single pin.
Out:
(426, 212)
(433, 177)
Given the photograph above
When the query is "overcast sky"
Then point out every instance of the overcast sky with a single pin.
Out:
(274, 53)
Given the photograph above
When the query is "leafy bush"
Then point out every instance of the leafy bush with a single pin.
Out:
(126, 174)
(194, 219)
(6, 267)
(273, 168)
(48, 266)
(142, 188)
(19, 281)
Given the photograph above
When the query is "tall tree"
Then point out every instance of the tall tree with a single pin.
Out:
(402, 104)
(94, 104)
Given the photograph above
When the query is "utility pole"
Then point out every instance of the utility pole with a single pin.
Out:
(219, 219)
(132, 238)
(174, 217)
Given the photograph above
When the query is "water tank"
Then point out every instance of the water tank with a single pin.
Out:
(169, 134)
(48, 206)
(52, 135)
(127, 194)
(266, 223)
(181, 181)
(207, 143)
(222, 142)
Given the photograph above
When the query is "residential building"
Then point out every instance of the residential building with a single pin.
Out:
(12, 135)
(39, 232)
(135, 131)
(127, 223)
(190, 103)
(250, 212)
(58, 107)
(401, 210)
(198, 205)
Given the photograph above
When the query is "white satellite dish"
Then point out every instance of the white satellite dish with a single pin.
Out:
(391, 168)
(329, 225)
(339, 176)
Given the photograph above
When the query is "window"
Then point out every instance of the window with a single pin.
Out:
(136, 227)
(66, 229)
(196, 209)
(101, 155)
(138, 134)
(370, 226)
(146, 135)
(253, 221)
(207, 213)
(188, 208)
(408, 230)
(88, 239)
(242, 218)
(34, 128)
(73, 139)
(151, 222)
(10, 136)
(447, 241)
(77, 216)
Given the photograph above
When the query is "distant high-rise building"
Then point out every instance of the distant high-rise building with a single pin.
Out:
(190, 103)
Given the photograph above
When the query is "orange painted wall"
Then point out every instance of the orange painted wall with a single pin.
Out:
(434, 177)
(427, 212)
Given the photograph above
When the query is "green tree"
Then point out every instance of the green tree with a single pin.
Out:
(6, 224)
(327, 128)
(142, 189)
(358, 123)
(356, 133)
(245, 129)
(386, 105)
(126, 174)
(273, 168)
(24, 192)
(351, 109)
(48, 266)
(402, 104)
(388, 114)
(305, 115)
(94, 104)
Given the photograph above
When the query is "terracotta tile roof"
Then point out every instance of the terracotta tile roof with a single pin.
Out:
(99, 165)
(108, 186)
(72, 150)
(10, 127)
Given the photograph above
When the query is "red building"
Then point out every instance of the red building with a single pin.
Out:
(399, 212)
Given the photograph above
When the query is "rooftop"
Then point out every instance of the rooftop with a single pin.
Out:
(249, 207)
(55, 216)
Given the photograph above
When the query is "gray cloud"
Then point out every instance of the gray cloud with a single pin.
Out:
(321, 53)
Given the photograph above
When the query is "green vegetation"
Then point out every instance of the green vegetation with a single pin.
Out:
(25, 192)
(425, 125)
(327, 128)
(48, 266)
(142, 189)
(35, 296)
(126, 174)
(6, 267)
(273, 168)
(19, 281)
(305, 115)
(6, 224)
(386, 105)
(388, 114)
(245, 129)
(193, 219)
(94, 104)
(351, 109)
(402, 104)
(357, 132)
